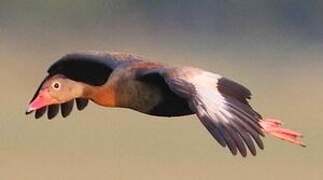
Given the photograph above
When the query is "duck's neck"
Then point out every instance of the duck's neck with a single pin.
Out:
(103, 95)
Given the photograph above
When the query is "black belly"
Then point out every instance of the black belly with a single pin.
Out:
(171, 106)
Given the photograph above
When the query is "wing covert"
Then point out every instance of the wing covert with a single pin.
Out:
(219, 103)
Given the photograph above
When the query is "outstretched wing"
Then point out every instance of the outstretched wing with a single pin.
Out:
(220, 104)
(93, 68)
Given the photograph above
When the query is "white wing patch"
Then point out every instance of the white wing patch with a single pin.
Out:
(231, 122)
(215, 107)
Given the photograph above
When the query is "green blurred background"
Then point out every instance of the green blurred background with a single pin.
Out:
(273, 47)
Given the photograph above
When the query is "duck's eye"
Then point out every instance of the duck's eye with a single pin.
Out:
(56, 85)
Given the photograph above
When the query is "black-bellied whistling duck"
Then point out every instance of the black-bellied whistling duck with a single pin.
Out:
(129, 81)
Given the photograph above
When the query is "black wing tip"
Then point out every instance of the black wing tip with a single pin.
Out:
(53, 110)
(28, 112)
(81, 103)
(240, 143)
(66, 108)
(244, 154)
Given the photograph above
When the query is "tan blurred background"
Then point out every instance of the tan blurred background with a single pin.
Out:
(273, 47)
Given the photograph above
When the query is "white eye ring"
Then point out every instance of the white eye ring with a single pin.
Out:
(56, 85)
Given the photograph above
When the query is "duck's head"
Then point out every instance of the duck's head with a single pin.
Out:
(56, 90)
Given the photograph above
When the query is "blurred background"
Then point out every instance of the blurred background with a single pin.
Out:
(273, 47)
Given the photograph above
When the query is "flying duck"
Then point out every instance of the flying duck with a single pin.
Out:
(131, 81)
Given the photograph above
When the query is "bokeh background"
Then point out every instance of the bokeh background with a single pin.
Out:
(273, 47)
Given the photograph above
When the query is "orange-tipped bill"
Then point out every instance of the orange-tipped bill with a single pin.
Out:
(43, 99)
(272, 127)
